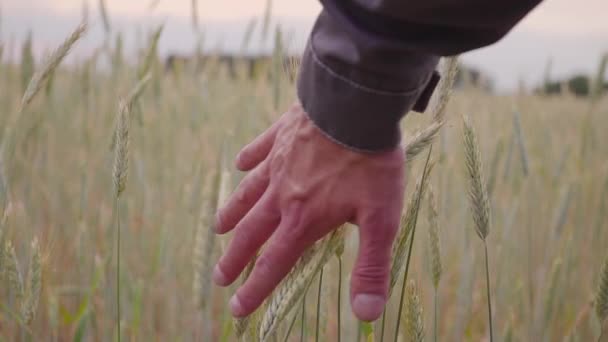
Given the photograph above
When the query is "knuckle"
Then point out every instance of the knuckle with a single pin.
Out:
(243, 195)
(376, 274)
(264, 266)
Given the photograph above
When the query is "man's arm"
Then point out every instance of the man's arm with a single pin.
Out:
(367, 63)
(365, 66)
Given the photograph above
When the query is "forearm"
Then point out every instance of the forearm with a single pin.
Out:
(367, 65)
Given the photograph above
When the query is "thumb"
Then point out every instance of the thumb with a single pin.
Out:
(371, 273)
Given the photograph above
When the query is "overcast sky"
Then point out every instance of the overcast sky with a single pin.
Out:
(572, 33)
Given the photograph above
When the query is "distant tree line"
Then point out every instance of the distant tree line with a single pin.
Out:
(579, 85)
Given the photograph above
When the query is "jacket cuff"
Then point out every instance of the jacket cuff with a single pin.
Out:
(354, 115)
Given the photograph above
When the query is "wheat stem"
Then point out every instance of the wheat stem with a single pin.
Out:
(382, 325)
(411, 244)
(117, 208)
(435, 315)
(485, 247)
(318, 323)
(303, 325)
(339, 298)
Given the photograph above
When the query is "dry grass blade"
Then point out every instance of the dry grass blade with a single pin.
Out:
(50, 65)
(413, 320)
(297, 281)
(480, 205)
(421, 140)
(34, 284)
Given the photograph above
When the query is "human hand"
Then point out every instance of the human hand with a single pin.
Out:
(300, 187)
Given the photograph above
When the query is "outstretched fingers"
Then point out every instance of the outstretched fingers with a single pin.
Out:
(275, 262)
(249, 235)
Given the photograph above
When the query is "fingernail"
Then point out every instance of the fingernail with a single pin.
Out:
(235, 307)
(368, 307)
(239, 160)
(219, 277)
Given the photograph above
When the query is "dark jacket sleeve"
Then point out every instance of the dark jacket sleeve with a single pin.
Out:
(368, 62)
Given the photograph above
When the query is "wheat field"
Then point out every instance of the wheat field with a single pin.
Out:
(110, 175)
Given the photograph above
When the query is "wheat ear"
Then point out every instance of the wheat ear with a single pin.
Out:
(13, 273)
(51, 64)
(480, 205)
(34, 284)
(297, 281)
(413, 320)
(445, 88)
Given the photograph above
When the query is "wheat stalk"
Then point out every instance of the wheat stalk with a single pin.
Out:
(34, 284)
(421, 140)
(414, 220)
(240, 324)
(3, 220)
(434, 243)
(552, 294)
(601, 297)
(413, 315)
(50, 65)
(121, 159)
(27, 61)
(408, 222)
(445, 88)
(266, 20)
(194, 9)
(151, 53)
(104, 17)
(519, 135)
(435, 252)
(13, 272)
(480, 205)
(297, 281)
(205, 242)
(119, 173)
